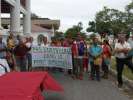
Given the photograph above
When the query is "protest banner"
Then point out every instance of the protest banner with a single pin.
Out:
(60, 57)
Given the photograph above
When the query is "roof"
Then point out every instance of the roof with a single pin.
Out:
(43, 22)
(36, 28)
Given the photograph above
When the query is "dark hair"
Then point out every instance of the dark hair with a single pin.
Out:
(107, 42)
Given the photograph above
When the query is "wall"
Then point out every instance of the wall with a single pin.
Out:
(35, 36)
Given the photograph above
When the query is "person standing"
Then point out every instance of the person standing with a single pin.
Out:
(106, 57)
(29, 42)
(78, 54)
(20, 53)
(95, 52)
(10, 52)
(3, 54)
(85, 58)
(66, 43)
(121, 51)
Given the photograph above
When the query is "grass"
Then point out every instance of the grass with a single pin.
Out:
(126, 72)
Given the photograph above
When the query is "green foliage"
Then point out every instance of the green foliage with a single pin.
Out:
(58, 36)
(72, 32)
(92, 27)
(111, 21)
(129, 12)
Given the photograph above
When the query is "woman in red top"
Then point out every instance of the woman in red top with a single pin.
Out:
(106, 58)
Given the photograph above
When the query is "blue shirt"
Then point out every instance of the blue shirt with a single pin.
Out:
(94, 50)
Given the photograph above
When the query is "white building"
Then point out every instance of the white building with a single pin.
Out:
(40, 27)
(15, 8)
(25, 25)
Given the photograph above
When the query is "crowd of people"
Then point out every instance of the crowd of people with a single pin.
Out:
(16, 51)
(95, 56)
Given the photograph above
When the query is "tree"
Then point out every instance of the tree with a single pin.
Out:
(92, 27)
(109, 21)
(58, 35)
(72, 32)
(129, 12)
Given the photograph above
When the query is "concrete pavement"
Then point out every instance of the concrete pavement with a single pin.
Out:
(86, 89)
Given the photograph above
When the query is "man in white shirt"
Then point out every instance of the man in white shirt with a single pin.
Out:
(121, 49)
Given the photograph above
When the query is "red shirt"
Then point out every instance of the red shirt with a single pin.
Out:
(21, 50)
(74, 49)
(106, 50)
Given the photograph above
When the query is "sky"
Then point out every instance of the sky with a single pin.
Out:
(70, 12)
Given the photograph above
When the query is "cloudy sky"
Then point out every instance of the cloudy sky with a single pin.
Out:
(70, 12)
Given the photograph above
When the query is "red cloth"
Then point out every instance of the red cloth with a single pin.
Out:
(106, 50)
(21, 50)
(26, 85)
(74, 49)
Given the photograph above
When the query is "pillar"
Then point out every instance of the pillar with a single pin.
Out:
(15, 17)
(27, 18)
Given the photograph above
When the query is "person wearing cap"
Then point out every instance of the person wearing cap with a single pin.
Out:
(95, 52)
(122, 49)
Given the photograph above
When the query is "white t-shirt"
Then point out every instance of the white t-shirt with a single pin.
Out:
(126, 45)
(28, 45)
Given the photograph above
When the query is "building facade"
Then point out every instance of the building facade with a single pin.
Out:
(20, 21)
(15, 8)
(40, 27)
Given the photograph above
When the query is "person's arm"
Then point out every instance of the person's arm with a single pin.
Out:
(117, 49)
(99, 52)
(90, 51)
(127, 49)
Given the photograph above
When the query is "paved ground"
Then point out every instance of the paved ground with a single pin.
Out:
(86, 90)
